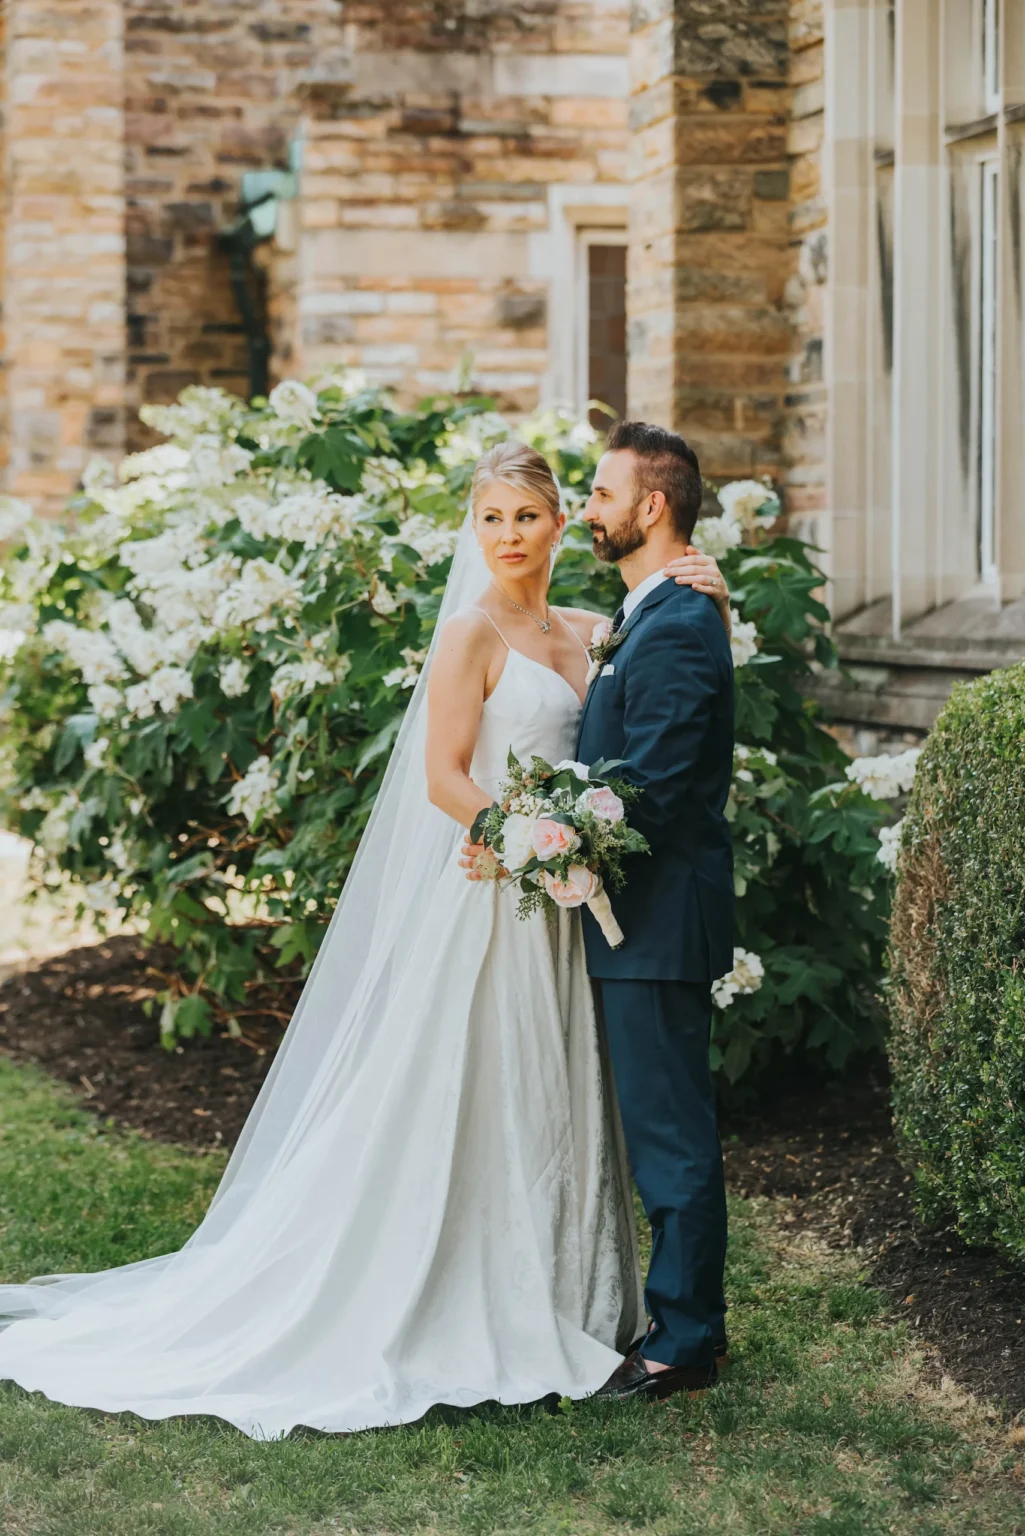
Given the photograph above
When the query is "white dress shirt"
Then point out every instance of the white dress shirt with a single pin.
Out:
(640, 592)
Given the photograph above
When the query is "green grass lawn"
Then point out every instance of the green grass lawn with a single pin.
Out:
(824, 1425)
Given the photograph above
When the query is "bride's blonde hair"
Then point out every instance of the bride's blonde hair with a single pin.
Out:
(517, 465)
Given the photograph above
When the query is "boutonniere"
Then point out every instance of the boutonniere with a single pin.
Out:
(603, 644)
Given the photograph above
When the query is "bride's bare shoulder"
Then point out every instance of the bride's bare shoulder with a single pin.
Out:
(467, 637)
(583, 621)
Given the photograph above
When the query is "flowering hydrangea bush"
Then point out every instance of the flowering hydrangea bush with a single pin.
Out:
(203, 672)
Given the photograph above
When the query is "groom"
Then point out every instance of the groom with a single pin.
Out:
(663, 702)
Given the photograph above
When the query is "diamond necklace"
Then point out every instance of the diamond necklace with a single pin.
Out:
(544, 625)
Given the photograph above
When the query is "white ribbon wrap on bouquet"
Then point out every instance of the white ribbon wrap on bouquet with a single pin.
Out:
(600, 908)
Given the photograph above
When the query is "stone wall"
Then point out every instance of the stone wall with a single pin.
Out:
(211, 90)
(63, 291)
(710, 226)
(442, 188)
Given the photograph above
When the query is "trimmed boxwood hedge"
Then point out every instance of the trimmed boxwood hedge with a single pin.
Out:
(957, 966)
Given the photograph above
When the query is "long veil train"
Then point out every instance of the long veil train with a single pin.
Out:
(401, 854)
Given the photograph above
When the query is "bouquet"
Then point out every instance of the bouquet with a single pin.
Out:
(560, 833)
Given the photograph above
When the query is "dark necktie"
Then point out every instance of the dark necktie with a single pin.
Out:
(617, 620)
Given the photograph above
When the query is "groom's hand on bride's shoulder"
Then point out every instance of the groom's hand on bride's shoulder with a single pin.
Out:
(693, 569)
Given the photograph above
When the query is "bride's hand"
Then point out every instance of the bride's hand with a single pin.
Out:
(471, 853)
(470, 861)
(693, 569)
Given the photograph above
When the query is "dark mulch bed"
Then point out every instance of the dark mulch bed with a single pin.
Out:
(827, 1149)
(81, 1017)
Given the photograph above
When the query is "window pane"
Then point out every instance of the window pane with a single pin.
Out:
(606, 351)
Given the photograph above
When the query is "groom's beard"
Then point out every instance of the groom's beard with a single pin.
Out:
(613, 547)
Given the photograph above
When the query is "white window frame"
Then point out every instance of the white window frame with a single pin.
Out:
(988, 316)
(586, 238)
(991, 92)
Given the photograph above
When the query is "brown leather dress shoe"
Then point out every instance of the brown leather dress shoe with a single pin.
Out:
(633, 1379)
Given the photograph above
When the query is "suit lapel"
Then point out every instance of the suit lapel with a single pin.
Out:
(655, 596)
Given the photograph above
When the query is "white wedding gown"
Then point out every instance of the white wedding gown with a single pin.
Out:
(447, 1220)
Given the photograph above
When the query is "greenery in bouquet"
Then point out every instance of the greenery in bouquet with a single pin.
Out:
(202, 674)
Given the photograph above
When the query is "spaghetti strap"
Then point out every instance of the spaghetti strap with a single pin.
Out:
(494, 626)
(573, 632)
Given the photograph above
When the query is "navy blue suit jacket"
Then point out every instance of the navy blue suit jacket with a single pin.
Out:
(667, 710)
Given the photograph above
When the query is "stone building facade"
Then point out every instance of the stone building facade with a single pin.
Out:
(790, 228)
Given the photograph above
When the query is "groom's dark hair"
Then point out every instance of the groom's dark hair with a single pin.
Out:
(664, 463)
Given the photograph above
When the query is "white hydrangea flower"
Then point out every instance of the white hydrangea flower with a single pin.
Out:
(15, 515)
(406, 676)
(213, 462)
(97, 476)
(11, 642)
(381, 477)
(165, 460)
(258, 516)
(144, 649)
(294, 403)
(55, 830)
(95, 753)
(743, 640)
(716, 536)
(92, 652)
(117, 852)
(107, 702)
(300, 677)
(101, 895)
(885, 777)
(889, 845)
(432, 542)
(473, 437)
(311, 514)
(164, 690)
(199, 410)
(383, 600)
(254, 793)
(259, 596)
(747, 975)
(234, 678)
(180, 545)
(743, 499)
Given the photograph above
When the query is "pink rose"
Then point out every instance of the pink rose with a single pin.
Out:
(550, 838)
(572, 890)
(601, 632)
(601, 802)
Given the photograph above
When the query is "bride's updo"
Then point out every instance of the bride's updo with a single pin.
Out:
(517, 465)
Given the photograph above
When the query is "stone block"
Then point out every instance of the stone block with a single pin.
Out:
(719, 200)
(720, 40)
(732, 140)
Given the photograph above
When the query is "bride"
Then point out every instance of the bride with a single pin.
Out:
(429, 1202)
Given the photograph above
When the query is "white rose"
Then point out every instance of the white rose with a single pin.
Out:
(568, 766)
(517, 845)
